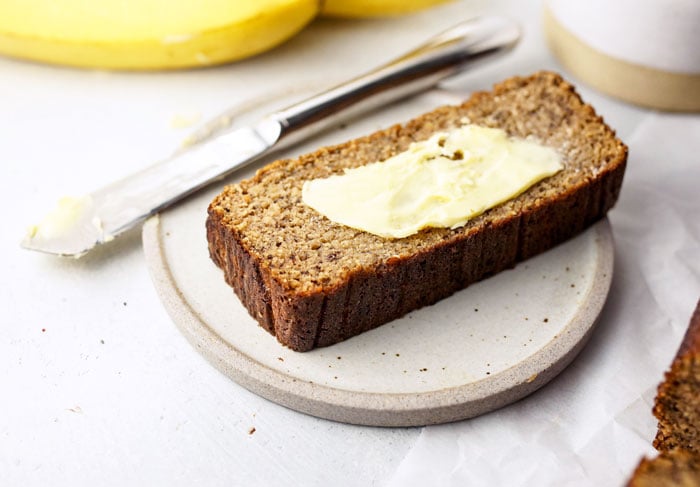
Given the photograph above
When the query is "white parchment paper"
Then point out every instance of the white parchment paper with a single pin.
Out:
(593, 423)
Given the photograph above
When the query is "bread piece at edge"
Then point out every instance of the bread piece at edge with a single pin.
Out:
(676, 468)
(677, 407)
(677, 402)
(438, 262)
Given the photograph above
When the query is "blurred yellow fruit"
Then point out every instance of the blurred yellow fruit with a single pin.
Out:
(375, 8)
(147, 34)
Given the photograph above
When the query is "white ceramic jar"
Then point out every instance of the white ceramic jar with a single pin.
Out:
(643, 51)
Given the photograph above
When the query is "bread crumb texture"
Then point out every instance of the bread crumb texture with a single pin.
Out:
(677, 407)
(284, 259)
(677, 468)
(677, 403)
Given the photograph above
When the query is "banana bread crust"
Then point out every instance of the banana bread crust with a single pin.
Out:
(676, 405)
(314, 292)
(673, 468)
(676, 408)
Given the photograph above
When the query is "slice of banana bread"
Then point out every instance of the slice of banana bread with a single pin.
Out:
(675, 468)
(677, 407)
(677, 404)
(312, 282)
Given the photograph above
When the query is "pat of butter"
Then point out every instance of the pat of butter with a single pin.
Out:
(440, 182)
(61, 219)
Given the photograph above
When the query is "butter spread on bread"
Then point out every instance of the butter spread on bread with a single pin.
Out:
(443, 181)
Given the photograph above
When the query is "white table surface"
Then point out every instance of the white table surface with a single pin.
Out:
(99, 387)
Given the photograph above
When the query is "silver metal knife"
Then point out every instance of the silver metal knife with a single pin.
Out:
(78, 225)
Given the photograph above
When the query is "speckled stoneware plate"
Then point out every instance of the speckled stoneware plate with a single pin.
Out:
(478, 350)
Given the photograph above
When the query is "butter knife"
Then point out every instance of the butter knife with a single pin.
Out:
(79, 224)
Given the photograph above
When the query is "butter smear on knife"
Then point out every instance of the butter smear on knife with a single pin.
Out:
(59, 220)
(441, 182)
(68, 217)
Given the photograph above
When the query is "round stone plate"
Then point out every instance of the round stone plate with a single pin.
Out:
(480, 349)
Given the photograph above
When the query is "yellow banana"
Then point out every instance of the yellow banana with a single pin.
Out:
(147, 34)
(375, 8)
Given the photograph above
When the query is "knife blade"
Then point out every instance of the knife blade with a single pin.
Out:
(79, 224)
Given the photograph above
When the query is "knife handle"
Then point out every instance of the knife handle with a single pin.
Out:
(444, 55)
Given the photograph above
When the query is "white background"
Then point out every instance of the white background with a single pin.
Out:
(99, 387)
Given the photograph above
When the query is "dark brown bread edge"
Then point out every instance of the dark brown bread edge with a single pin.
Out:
(670, 435)
(368, 299)
(672, 454)
(691, 340)
(670, 468)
